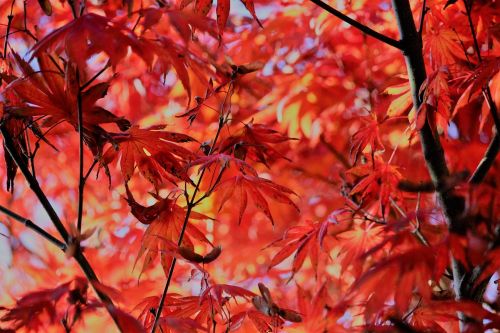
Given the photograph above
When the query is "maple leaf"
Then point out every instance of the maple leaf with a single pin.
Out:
(306, 239)
(367, 135)
(165, 220)
(407, 270)
(216, 295)
(30, 308)
(223, 7)
(433, 314)
(126, 320)
(476, 81)
(440, 41)
(253, 141)
(435, 94)
(402, 103)
(153, 152)
(256, 187)
(169, 53)
(202, 7)
(379, 181)
(90, 34)
(50, 94)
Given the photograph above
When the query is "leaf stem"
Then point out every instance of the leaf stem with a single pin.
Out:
(365, 29)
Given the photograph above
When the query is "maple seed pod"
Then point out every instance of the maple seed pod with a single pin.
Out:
(45, 6)
(212, 255)
(190, 255)
(290, 315)
(261, 305)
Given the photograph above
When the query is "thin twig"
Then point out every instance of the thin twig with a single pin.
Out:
(81, 179)
(191, 203)
(358, 25)
(31, 225)
(9, 23)
(425, 9)
(487, 161)
(93, 78)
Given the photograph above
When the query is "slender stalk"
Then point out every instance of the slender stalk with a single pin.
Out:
(191, 204)
(487, 161)
(31, 225)
(358, 25)
(6, 43)
(425, 9)
(81, 179)
(93, 78)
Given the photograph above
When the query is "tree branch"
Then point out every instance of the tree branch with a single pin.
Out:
(487, 161)
(79, 257)
(30, 225)
(81, 179)
(451, 204)
(358, 25)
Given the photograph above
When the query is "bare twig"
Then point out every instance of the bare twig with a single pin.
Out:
(30, 225)
(358, 25)
(81, 179)
(425, 9)
(487, 161)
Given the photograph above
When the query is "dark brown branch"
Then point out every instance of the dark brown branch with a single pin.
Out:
(487, 161)
(33, 183)
(81, 179)
(30, 225)
(359, 26)
(6, 43)
(409, 186)
(451, 204)
(79, 257)
(447, 184)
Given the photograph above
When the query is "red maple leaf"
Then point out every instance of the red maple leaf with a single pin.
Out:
(243, 186)
(165, 220)
(153, 152)
(90, 34)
